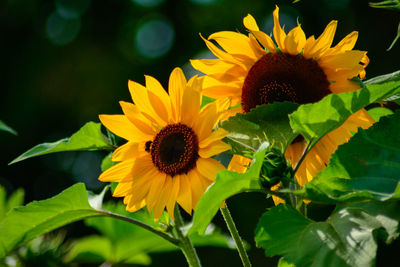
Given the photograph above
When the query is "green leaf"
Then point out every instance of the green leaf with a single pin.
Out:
(264, 123)
(227, 184)
(313, 121)
(367, 167)
(387, 4)
(120, 240)
(99, 249)
(346, 239)
(16, 199)
(379, 112)
(38, 217)
(6, 128)
(89, 137)
(205, 100)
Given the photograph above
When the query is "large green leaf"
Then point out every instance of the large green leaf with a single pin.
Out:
(5, 127)
(367, 167)
(89, 137)
(264, 123)
(313, 121)
(25, 223)
(120, 240)
(346, 238)
(227, 184)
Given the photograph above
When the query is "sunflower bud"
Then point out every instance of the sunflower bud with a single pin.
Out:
(274, 169)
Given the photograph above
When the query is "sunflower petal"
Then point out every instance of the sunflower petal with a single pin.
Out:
(323, 42)
(239, 164)
(345, 60)
(234, 43)
(185, 194)
(176, 86)
(279, 33)
(155, 190)
(295, 41)
(190, 105)
(122, 189)
(133, 114)
(163, 198)
(214, 136)
(128, 151)
(121, 126)
(173, 194)
(209, 167)
(119, 172)
(214, 148)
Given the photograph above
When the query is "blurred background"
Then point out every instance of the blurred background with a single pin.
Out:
(63, 62)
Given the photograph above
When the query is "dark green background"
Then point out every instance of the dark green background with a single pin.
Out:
(52, 82)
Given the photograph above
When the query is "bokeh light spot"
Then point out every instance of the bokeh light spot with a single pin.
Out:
(72, 9)
(154, 38)
(148, 3)
(61, 30)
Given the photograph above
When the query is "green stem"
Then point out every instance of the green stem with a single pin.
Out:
(235, 235)
(185, 244)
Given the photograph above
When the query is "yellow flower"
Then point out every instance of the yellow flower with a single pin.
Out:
(167, 158)
(253, 70)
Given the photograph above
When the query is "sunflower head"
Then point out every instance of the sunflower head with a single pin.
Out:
(254, 69)
(170, 142)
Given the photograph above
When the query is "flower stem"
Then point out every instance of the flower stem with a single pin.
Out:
(185, 244)
(235, 235)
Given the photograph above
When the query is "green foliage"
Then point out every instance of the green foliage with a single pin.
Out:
(264, 123)
(89, 137)
(387, 4)
(367, 167)
(120, 240)
(6, 128)
(346, 238)
(16, 199)
(313, 121)
(38, 217)
(379, 112)
(227, 184)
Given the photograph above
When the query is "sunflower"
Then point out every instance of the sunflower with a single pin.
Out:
(254, 70)
(170, 142)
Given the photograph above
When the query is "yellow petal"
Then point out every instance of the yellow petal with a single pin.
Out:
(132, 207)
(323, 42)
(190, 105)
(121, 126)
(346, 44)
(234, 43)
(209, 167)
(141, 167)
(134, 115)
(185, 194)
(155, 190)
(239, 164)
(122, 189)
(212, 66)
(279, 33)
(196, 186)
(207, 120)
(163, 198)
(176, 86)
(250, 23)
(214, 148)
(140, 98)
(154, 86)
(140, 187)
(295, 41)
(163, 110)
(345, 60)
(118, 172)
(258, 50)
(173, 194)
(214, 136)
(128, 151)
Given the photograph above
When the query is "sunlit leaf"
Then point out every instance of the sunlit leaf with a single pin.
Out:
(264, 123)
(89, 137)
(346, 238)
(367, 167)
(16, 199)
(387, 4)
(5, 127)
(379, 112)
(227, 184)
(313, 121)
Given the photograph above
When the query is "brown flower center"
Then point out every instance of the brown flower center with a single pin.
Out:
(174, 149)
(284, 77)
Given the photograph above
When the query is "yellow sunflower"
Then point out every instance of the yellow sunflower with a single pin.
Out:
(167, 158)
(253, 70)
